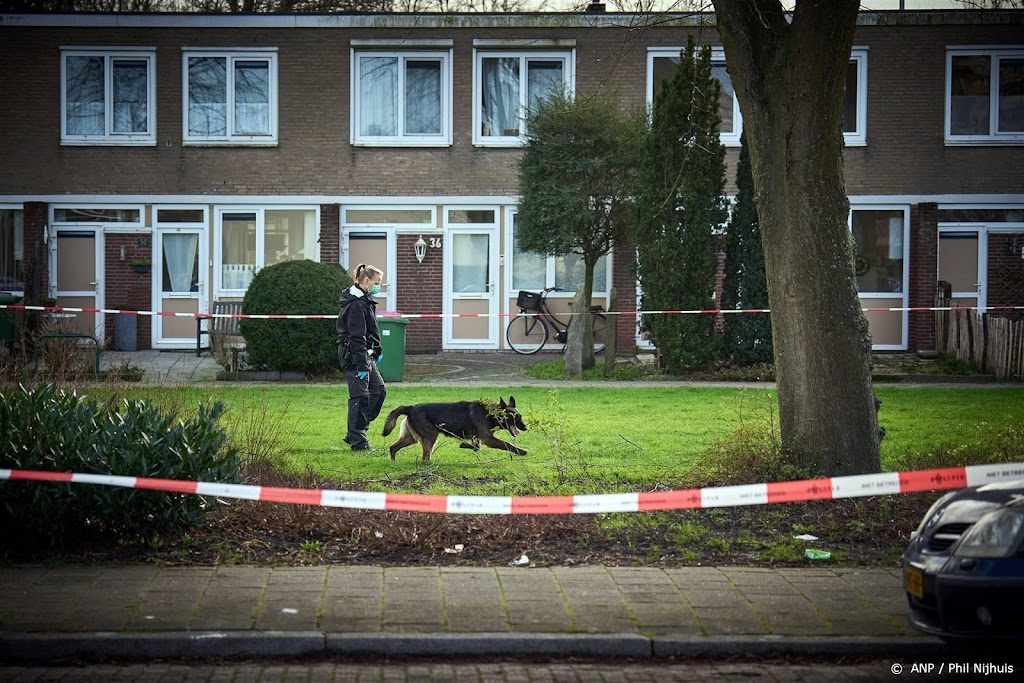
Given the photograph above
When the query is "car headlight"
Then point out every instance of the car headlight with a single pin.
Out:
(997, 534)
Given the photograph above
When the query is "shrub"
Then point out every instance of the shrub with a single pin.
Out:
(293, 288)
(51, 429)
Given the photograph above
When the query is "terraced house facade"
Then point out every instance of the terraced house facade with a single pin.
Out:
(212, 146)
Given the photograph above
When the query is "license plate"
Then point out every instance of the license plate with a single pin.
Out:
(913, 581)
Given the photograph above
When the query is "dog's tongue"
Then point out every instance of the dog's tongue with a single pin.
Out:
(513, 431)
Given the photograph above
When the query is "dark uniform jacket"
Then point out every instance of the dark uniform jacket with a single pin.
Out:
(358, 334)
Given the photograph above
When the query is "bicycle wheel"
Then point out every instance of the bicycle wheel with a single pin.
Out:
(526, 334)
(600, 332)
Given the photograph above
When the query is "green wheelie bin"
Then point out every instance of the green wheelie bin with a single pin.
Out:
(392, 342)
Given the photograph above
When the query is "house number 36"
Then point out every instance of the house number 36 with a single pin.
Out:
(435, 242)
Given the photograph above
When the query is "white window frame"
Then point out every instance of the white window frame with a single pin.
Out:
(268, 55)
(858, 137)
(858, 55)
(443, 139)
(993, 137)
(260, 211)
(566, 56)
(109, 137)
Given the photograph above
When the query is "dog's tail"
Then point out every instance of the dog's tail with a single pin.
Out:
(392, 418)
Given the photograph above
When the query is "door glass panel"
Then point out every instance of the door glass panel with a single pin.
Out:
(958, 260)
(76, 262)
(470, 267)
(181, 263)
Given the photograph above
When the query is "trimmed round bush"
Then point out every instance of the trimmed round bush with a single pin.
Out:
(294, 288)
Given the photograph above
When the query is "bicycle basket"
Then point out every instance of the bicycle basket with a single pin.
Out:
(529, 301)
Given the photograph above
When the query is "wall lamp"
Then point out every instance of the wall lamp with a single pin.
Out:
(420, 248)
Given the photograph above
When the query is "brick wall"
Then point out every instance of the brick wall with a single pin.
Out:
(1006, 272)
(624, 281)
(924, 255)
(125, 288)
(420, 293)
(905, 153)
(37, 264)
(330, 234)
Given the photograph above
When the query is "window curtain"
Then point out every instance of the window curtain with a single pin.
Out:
(500, 88)
(570, 272)
(378, 96)
(544, 79)
(131, 95)
(180, 260)
(207, 96)
(84, 94)
(238, 250)
(470, 263)
(252, 98)
(423, 97)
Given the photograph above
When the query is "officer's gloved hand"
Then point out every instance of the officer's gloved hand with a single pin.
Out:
(380, 357)
(363, 374)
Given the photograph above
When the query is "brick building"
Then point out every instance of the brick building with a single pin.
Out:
(215, 145)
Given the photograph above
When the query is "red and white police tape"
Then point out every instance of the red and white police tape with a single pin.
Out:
(395, 314)
(854, 486)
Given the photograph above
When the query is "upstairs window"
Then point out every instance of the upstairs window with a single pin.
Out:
(230, 98)
(985, 96)
(107, 97)
(663, 62)
(401, 98)
(509, 85)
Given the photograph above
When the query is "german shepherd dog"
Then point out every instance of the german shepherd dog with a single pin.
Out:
(473, 422)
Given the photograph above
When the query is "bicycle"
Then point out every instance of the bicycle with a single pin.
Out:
(528, 332)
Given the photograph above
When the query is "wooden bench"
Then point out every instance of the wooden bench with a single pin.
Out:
(221, 329)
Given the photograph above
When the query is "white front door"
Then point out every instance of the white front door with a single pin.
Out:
(76, 261)
(471, 285)
(179, 285)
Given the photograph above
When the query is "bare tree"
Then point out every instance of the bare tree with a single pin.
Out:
(789, 72)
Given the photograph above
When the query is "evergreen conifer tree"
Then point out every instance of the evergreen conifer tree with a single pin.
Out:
(680, 204)
(748, 337)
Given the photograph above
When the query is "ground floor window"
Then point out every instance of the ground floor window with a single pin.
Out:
(12, 250)
(534, 272)
(252, 239)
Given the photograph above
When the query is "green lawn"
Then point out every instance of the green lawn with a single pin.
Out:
(605, 438)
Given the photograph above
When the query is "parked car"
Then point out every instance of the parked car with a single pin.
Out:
(963, 571)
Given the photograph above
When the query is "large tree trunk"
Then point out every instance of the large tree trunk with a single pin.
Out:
(790, 80)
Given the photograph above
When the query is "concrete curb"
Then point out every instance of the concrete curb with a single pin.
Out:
(31, 647)
(807, 646)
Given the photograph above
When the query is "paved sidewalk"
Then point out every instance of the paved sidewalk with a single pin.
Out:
(590, 611)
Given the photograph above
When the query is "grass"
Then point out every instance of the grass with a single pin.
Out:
(592, 439)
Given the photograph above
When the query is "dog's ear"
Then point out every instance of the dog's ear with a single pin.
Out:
(501, 402)
(511, 401)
